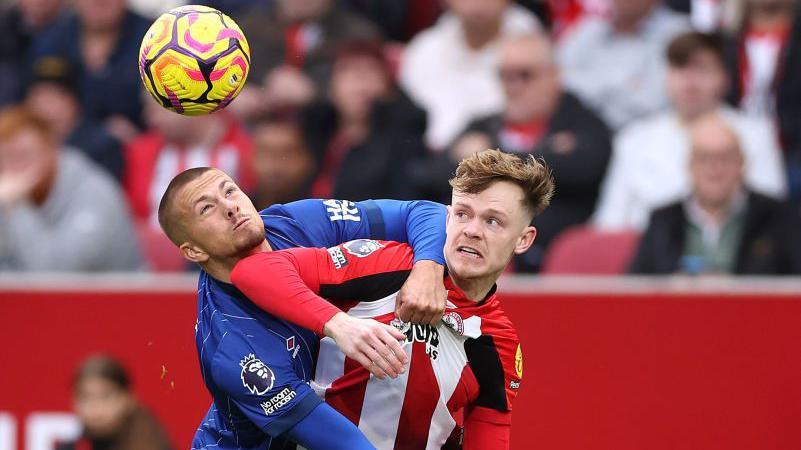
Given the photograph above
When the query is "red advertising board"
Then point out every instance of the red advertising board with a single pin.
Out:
(618, 368)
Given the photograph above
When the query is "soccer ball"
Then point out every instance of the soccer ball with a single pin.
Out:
(194, 60)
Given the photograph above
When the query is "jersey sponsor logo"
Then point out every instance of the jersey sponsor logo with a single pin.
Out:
(342, 210)
(425, 334)
(514, 384)
(338, 257)
(454, 321)
(291, 346)
(362, 248)
(519, 362)
(256, 376)
(278, 401)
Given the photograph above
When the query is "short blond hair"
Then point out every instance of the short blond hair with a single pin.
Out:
(477, 172)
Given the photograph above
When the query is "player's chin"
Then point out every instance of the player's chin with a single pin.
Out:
(248, 238)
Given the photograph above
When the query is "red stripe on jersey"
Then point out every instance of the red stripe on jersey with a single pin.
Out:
(346, 393)
(415, 419)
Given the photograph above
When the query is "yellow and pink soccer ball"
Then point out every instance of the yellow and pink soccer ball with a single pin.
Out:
(194, 60)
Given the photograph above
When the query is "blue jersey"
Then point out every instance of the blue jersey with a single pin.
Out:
(256, 366)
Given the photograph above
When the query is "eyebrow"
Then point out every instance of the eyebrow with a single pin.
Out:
(205, 197)
(496, 212)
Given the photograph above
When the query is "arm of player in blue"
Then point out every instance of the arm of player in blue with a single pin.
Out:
(326, 429)
(421, 224)
(261, 383)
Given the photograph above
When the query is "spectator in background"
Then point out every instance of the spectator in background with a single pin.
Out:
(758, 64)
(648, 167)
(293, 45)
(58, 211)
(52, 96)
(722, 226)
(111, 417)
(766, 68)
(100, 40)
(708, 16)
(174, 143)
(366, 131)
(282, 163)
(541, 118)
(617, 66)
(20, 24)
(450, 69)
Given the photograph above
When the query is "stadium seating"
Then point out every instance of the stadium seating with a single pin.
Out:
(585, 250)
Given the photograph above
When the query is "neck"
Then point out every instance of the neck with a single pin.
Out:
(475, 289)
(718, 211)
(687, 117)
(221, 269)
(478, 37)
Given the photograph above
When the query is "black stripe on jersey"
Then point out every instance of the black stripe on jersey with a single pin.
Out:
(488, 369)
(368, 288)
(378, 230)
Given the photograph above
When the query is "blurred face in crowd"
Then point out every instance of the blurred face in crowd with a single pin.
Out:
(358, 81)
(100, 14)
(28, 151)
(697, 87)
(478, 14)
(176, 128)
(281, 161)
(485, 230)
(632, 11)
(771, 4)
(716, 162)
(39, 12)
(55, 104)
(219, 221)
(102, 406)
(529, 77)
(303, 10)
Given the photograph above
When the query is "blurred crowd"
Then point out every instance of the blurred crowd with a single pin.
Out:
(675, 121)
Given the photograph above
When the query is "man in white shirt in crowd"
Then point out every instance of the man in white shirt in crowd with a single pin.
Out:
(649, 159)
(616, 65)
(450, 69)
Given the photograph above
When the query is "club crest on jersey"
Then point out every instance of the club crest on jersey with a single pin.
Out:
(519, 362)
(256, 376)
(454, 321)
(362, 247)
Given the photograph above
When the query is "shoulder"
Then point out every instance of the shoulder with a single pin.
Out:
(84, 175)
(667, 214)
(645, 131)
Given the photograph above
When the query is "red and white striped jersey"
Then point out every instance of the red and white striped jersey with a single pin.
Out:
(470, 365)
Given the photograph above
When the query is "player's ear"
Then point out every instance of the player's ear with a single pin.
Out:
(193, 253)
(525, 240)
(448, 210)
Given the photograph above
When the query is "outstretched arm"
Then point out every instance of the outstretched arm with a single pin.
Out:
(363, 269)
(421, 224)
(326, 429)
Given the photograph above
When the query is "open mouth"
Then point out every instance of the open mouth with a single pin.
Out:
(241, 222)
(469, 252)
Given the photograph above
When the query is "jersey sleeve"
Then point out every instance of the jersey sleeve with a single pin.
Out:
(497, 362)
(290, 284)
(331, 222)
(260, 381)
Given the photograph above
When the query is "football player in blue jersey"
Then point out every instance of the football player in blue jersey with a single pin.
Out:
(257, 367)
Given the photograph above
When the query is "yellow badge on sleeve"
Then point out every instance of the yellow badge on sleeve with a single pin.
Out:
(519, 362)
